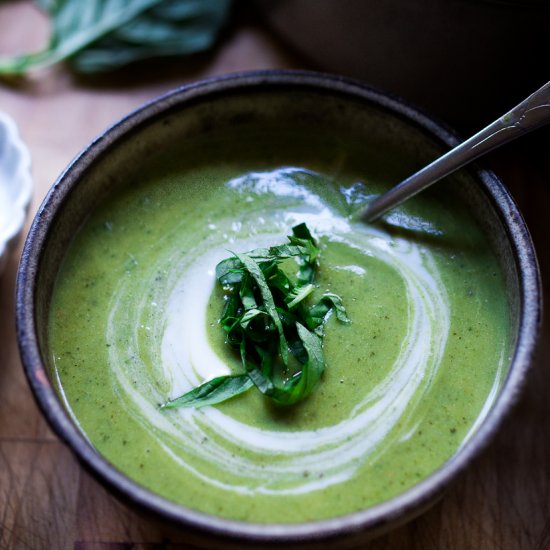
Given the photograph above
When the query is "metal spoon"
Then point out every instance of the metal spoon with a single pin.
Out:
(530, 114)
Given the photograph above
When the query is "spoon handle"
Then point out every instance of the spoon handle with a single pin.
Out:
(530, 114)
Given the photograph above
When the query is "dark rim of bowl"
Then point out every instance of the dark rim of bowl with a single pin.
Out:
(375, 518)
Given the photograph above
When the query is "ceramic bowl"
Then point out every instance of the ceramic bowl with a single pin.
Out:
(309, 100)
(15, 186)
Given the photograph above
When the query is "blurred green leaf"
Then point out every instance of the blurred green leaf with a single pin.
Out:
(102, 35)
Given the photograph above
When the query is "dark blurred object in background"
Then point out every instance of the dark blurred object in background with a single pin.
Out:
(466, 61)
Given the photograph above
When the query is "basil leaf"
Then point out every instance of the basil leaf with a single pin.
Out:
(303, 382)
(279, 253)
(336, 303)
(302, 237)
(249, 316)
(46, 5)
(298, 294)
(229, 271)
(278, 282)
(212, 392)
(173, 28)
(106, 34)
(75, 25)
(318, 313)
(256, 272)
(260, 371)
(312, 370)
(247, 293)
(301, 231)
(231, 313)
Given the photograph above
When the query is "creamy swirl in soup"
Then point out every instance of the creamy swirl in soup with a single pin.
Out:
(134, 322)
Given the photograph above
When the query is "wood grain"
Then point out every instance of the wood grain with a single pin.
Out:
(46, 499)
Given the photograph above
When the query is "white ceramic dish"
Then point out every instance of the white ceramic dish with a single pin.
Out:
(15, 186)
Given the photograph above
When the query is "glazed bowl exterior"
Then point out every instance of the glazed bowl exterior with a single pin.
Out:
(309, 99)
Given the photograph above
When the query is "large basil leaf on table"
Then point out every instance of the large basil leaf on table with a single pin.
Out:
(101, 35)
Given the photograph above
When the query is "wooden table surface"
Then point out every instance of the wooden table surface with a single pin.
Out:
(48, 501)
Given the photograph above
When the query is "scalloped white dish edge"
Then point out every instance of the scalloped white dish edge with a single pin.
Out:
(15, 186)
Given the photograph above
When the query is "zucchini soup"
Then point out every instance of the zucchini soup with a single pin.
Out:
(134, 322)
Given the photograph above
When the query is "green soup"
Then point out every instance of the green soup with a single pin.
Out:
(134, 323)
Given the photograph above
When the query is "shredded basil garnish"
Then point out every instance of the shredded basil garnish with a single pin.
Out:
(269, 320)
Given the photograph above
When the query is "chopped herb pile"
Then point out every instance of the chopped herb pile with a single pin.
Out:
(269, 321)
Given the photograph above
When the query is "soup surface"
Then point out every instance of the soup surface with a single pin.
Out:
(134, 322)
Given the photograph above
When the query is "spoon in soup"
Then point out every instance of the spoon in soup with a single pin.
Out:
(530, 114)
